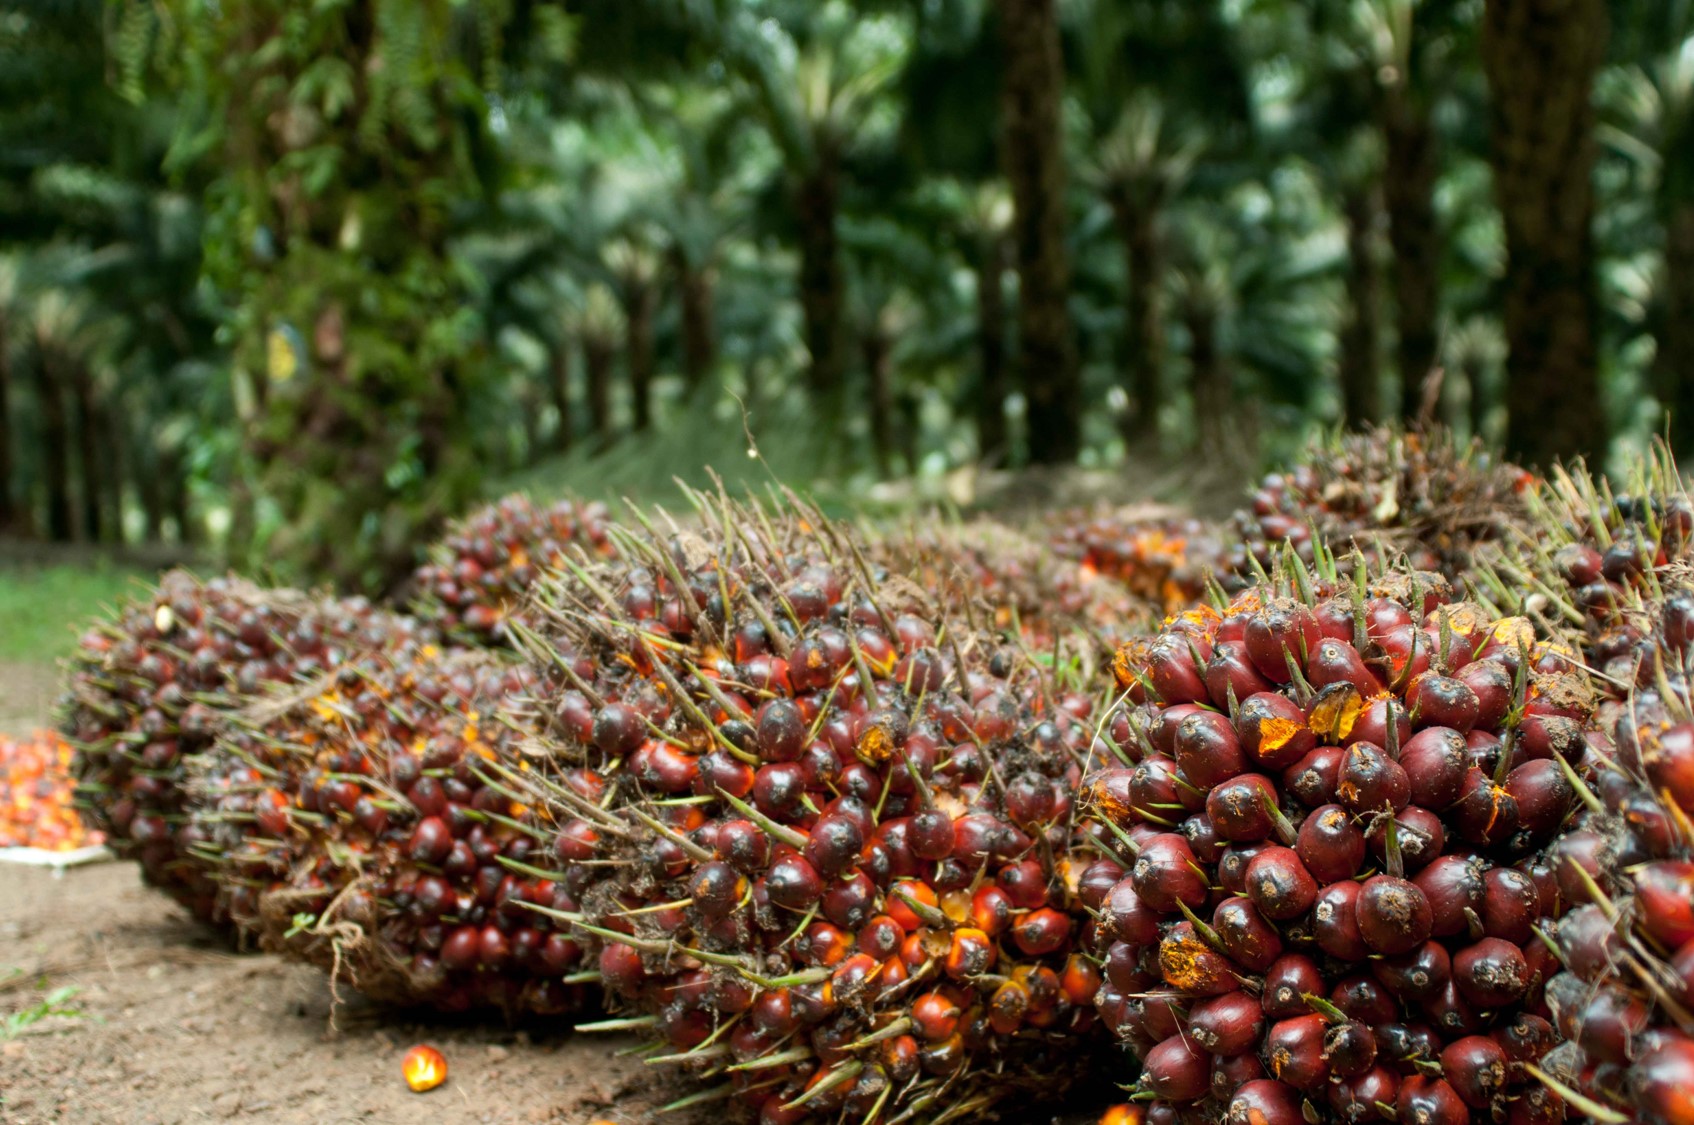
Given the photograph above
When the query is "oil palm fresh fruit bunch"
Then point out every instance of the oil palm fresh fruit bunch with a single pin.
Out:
(1420, 494)
(480, 571)
(151, 689)
(360, 823)
(1164, 560)
(998, 579)
(1329, 809)
(817, 833)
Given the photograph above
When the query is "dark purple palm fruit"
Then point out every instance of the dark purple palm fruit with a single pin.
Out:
(1309, 849)
(150, 691)
(484, 566)
(877, 874)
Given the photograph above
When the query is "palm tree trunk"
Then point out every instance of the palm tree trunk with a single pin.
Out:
(1676, 336)
(112, 467)
(8, 513)
(1361, 335)
(175, 475)
(639, 304)
(1211, 377)
(992, 444)
(597, 366)
(699, 343)
(87, 451)
(877, 355)
(1144, 321)
(559, 365)
(1033, 89)
(822, 289)
(150, 491)
(55, 445)
(1540, 57)
(1411, 168)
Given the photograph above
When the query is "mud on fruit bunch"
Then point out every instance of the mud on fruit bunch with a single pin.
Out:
(818, 834)
(1324, 826)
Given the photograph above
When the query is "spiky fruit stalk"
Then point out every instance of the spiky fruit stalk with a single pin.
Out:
(837, 869)
(151, 690)
(1310, 836)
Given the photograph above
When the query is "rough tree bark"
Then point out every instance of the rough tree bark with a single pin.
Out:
(1411, 167)
(150, 490)
(1143, 315)
(1033, 88)
(877, 350)
(1361, 335)
(992, 442)
(87, 450)
(1211, 376)
(699, 333)
(559, 384)
(641, 300)
(1540, 57)
(1675, 358)
(822, 287)
(55, 444)
(597, 366)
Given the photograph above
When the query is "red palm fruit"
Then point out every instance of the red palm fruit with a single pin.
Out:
(1452, 1014)
(1664, 896)
(1316, 777)
(1132, 920)
(431, 841)
(1510, 905)
(1173, 666)
(1166, 873)
(1288, 982)
(621, 969)
(991, 910)
(1435, 762)
(1453, 886)
(1491, 684)
(1429, 1101)
(935, 1016)
(1229, 1024)
(1335, 922)
(1581, 848)
(1418, 832)
(1370, 781)
(1243, 809)
(1231, 1073)
(1338, 662)
(1041, 931)
(717, 889)
(1355, 1099)
(1273, 730)
(1207, 750)
(1407, 1045)
(1294, 1051)
(1486, 814)
(1177, 1070)
(1230, 672)
(1475, 1067)
(1279, 884)
(1232, 866)
(1394, 916)
(1264, 1101)
(1280, 632)
(1383, 721)
(1661, 1081)
(744, 845)
(1187, 963)
(1330, 845)
(833, 844)
(1491, 973)
(793, 883)
(1443, 701)
(969, 953)
(1246, 937)
(1349, 1047)
(1544, 797)
(930, 834)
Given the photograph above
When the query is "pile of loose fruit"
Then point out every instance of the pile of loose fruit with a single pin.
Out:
(920, 826)
(36, 810)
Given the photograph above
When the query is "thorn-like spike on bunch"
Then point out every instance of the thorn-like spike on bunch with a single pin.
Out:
(778, 1058)
(628, 1023)
(703, 1097)
(1578, 1101)
(783, 832)
(698, 852)
(841, 1075)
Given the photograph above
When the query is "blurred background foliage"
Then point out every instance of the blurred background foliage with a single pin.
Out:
(292, 281)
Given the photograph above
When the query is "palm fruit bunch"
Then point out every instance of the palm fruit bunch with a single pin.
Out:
(480, 571)
(362, 823)
(818, 834)
(1166, 560)
(1420, 494)
(150, 690)
(1002, 580)
(36, 809)
(1328, 815)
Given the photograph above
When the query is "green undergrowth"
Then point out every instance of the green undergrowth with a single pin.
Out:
(43, 608)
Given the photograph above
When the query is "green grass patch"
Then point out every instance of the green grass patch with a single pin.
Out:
(44, 608)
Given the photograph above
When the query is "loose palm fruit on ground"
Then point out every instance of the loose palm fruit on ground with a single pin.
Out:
(36, 806)
(1161, 559)
(364, 823)
(830, 868)
(1421, 494)
(482, 569)
(151, 689)
(1315, 790)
